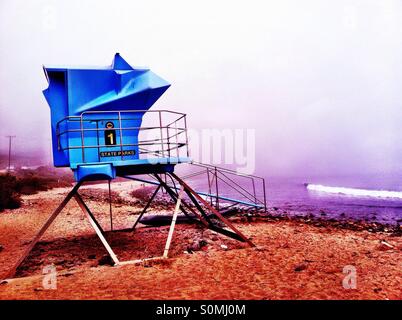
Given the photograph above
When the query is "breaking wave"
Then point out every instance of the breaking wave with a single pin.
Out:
(356, 192)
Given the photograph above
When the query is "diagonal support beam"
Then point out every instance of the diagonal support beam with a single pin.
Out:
(97, 228)
(110, 206)
(172, 194)
(200, 208)
(146, 207)
(175, 197)
(85, 208)
(171, 229)
(49, 221)
(227, 233)
(212, 209)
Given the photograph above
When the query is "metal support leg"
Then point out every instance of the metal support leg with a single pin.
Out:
(171, 229)
(183, 204)
(198, 206)
(146, 207)
(110, 206)
(85, 209)
(212, 209)
(170, 192)
(53, 216)
(97, 228)
(216, 187)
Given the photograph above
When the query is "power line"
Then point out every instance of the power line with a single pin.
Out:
(9, 151)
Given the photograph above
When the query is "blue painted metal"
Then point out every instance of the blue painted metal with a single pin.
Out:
(205, 194)
(85, 100)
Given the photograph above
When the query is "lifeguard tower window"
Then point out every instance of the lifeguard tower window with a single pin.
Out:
(110, 134)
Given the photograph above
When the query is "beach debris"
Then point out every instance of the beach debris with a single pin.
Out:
(301, 266)
(224, 246)
(203, 244)
(384, 246)
(196, 245)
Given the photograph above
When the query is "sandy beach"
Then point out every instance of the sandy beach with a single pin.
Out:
(294, 259)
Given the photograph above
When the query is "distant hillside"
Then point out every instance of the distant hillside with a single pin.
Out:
(19, 160)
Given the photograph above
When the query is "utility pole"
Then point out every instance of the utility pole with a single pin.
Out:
(9, 151)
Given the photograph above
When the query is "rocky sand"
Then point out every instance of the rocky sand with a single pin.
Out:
(295, 258)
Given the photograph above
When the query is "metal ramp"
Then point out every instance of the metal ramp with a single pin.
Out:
(228, 188)
(224, 189)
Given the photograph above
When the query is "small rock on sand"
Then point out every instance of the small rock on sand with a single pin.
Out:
(203, 243)
(300, 267)
(196, 245)
(384, 246)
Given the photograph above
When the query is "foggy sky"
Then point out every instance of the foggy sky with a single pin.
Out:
(318, 80)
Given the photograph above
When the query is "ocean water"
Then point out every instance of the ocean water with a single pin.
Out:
(373, 198)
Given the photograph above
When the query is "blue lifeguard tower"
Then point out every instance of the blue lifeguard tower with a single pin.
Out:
(96, 117)
(102, 128)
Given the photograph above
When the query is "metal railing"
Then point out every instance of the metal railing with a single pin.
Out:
(225, 185)
(167, 139)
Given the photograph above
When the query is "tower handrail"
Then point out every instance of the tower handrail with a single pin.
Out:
(220, 174)
(170, 135)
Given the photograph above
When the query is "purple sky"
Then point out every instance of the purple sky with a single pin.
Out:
(318, 80)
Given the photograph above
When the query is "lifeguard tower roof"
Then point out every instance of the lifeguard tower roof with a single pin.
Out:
(115, 87)
(96, 118)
